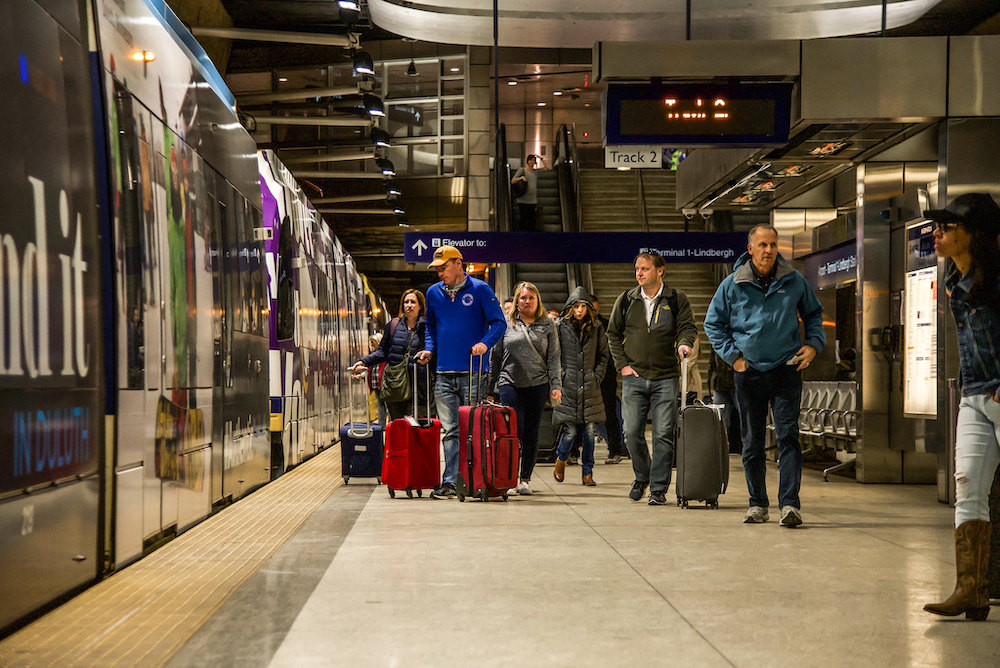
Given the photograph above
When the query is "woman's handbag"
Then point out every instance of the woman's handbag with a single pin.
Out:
(518, 189)
(396, 379)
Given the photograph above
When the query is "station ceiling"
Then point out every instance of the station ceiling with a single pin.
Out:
(548, 43)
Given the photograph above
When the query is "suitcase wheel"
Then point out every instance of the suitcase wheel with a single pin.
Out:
(420, 493)
(684, 504)
(678, 500)
(392, 493)
(485, 496)
(378, 481)
(347, 478)
(461, 498)
(505, 496)
(409, 493)
(713, 504)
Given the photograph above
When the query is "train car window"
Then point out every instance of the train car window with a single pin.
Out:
(230, 284)
(132, 239)
(286, 286)
(258, 273)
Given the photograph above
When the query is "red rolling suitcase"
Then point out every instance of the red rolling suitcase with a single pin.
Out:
(412, 458)
(489, 452)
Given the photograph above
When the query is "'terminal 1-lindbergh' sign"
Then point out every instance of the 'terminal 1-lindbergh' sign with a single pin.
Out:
(579, 247)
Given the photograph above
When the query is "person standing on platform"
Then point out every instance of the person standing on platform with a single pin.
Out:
(611, 428)
(524, 367)
(403, 338)
(650, 325)
(723, 389)
(584, 347)
(966, 233)
(753, 324)
(527, 204)
(463, 318)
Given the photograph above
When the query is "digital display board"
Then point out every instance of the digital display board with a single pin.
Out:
(920, 323)
(685, 114)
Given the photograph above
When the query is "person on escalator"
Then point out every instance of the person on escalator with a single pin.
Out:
(527, 201)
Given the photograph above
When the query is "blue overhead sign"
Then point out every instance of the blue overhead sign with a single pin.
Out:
(578, 247)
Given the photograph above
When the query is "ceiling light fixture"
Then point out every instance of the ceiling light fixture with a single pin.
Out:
(386, 166)
(511, 83)
(373, 105)
(541, 104)
(455, 69)
(411, 70)
(363, 64)
(557, 92)
(391, 189)
(380, 138)
(282, 79)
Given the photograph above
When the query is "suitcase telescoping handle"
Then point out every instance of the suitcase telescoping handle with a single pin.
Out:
(413, 390)
(684, 382)
(477, 379)
(357, 379)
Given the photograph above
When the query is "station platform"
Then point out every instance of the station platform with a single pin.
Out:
(310, 572)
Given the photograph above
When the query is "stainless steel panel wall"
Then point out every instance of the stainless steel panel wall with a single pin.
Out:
(702, 58)
(877, 183)
(973, 73)
(859, 78)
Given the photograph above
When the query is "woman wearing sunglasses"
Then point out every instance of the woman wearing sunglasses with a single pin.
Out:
(966, 233)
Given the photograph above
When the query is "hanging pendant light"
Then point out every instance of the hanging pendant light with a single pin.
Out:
(411, 71)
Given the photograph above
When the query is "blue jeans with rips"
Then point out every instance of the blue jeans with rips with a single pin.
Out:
(977, 453)
(640, 397)
(782, 389)
(451, 390)
(569, 432)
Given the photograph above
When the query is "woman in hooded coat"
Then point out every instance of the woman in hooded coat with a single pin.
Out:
(584, 348)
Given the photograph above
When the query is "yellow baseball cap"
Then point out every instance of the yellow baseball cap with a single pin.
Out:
(443, 254)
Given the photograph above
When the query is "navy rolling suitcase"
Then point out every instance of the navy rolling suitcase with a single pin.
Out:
(361, 447)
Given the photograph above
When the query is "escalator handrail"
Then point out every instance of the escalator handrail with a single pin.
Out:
(503, 202)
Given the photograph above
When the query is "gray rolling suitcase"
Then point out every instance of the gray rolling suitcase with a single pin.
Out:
(702, 451)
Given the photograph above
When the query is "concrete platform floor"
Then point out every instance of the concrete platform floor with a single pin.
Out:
(585, 577)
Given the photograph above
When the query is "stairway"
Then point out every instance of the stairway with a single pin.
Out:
(611, 203)
(550, 279)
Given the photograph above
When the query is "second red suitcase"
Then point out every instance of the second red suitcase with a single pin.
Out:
(412, 458)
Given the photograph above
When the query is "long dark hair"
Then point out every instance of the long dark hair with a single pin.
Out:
(985, 252)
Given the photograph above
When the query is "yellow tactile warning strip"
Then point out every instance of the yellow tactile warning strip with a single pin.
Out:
(145, 613)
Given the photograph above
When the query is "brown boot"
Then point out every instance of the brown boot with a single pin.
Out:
(559, 472)
(972, 554)
(588, 481)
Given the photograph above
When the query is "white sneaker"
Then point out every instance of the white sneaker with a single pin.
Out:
(790, 517)
(523, 488)
(756, 515)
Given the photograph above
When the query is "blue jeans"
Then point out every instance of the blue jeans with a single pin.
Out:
(569, 432)
(639, 398)
(782, 389)
(451, 390)
(528, 403)
(977, 454)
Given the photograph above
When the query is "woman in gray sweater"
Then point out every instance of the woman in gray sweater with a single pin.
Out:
(584, 347)
(524, 367)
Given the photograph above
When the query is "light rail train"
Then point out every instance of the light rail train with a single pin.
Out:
(176, 320)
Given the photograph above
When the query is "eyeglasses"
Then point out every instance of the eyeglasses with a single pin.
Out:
(946, 227)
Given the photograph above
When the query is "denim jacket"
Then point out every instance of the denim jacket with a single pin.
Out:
(978, 337)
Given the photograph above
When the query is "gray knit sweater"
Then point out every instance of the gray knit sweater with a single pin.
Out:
(514, 362)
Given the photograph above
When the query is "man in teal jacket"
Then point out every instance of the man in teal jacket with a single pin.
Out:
(753, 324)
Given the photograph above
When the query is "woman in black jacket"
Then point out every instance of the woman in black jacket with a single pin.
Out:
(403, 338)
(584, 348)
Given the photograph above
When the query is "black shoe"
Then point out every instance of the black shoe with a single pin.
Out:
(638, 490)
(444, 491)
(658, 498)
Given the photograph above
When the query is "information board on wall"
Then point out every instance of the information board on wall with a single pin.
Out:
(920, 324)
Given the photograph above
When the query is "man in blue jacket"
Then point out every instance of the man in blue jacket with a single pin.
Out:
(753, 324)
(463, 317)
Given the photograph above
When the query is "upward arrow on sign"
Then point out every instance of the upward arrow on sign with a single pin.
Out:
(420, 247)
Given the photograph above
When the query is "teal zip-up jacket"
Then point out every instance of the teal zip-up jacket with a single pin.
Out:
(763, 327)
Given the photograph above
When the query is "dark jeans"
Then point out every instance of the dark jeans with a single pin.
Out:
(612, 416)
(527, 403)
(731, 417)
(528, 214)
(782, 389)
